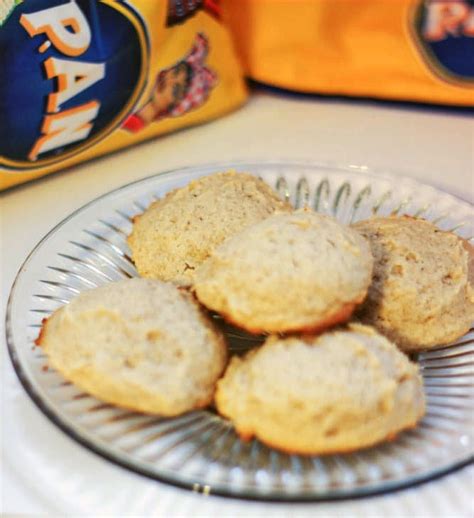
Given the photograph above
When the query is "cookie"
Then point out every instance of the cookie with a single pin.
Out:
(422, 293)
(337, 392)
(140, 344)
(177, 233)
(291, 272)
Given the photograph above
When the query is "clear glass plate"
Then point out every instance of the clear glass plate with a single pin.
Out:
(199, 450)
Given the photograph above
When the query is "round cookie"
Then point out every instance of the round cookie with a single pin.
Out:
(178, 232)
(291, 272)
(336, 392)
(140, 344)
(422, 293)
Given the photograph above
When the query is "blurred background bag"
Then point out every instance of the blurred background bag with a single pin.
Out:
(406, 50)
(84, 78)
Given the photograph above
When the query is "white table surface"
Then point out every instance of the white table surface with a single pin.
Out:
(431, 145)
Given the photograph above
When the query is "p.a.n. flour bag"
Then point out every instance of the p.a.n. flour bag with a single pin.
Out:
(405, 50)
(81, 78)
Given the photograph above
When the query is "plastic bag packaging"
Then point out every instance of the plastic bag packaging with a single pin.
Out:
(82, 78)
(408, 50)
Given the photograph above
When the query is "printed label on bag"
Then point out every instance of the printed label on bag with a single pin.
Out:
(444, 32)
(72, 71)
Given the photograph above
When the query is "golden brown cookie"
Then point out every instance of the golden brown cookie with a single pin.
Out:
(336, 392)
(291, 272)
(177, 233)
(422, 293)
(140, 344)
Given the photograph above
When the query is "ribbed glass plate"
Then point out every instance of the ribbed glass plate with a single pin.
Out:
(199, 450)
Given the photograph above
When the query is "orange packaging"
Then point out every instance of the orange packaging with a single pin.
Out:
(79, 79)
(406, 50)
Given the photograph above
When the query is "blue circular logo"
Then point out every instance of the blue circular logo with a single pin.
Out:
(71, 72)
(445, 35)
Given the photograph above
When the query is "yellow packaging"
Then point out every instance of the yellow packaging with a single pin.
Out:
(392, 49)
(79, 79)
